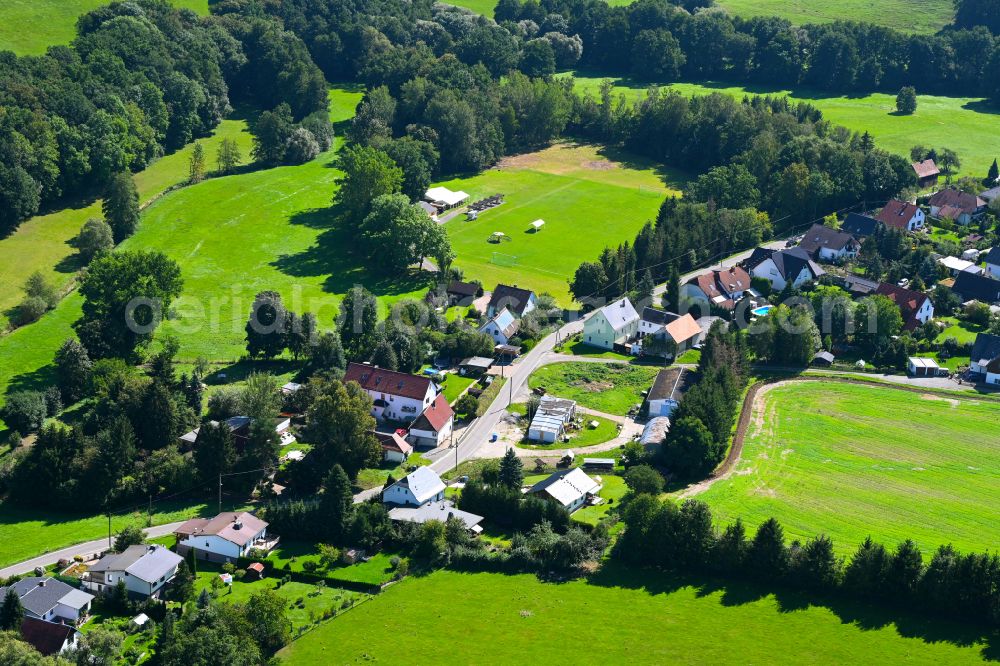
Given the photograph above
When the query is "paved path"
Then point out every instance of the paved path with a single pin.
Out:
(87, 550)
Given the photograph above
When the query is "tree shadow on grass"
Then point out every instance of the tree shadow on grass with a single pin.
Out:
(36, 380)
(982, 106)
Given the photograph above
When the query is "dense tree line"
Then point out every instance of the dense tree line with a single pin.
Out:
(657, 40)
(683, 538)
(140, 79)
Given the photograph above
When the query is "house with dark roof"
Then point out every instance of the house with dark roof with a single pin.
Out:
(45, 598)
(901, 215)
(519, 301)
(417, 488)
(985, 357)
(145, 570)
(434, 425)
(782, 267)
(825, 244)
(915, 306)
(224, 538)
(239, 428)
(859, 226)
(927, 173)
(956, 205)
(49, 638)
(719, 288)
(972, 287)
(668, 388)
(396, 396)
(993, 263)
(858, 286)
(462, 293)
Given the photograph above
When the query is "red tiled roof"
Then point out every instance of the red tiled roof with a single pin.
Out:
(907, 300)
(435, 416)
(897, 213)
(392, 441)
(224, 526)
(968, 203)
(403, 384)
(926, 169)
(256, 566)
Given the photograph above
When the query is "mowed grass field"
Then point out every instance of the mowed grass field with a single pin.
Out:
(636, 617)
(606, 387)
(28, 27)
(42, 243)
(967, 125)
(852, 461)
(589, 197)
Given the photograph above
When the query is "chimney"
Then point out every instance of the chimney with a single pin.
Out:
(41, 583)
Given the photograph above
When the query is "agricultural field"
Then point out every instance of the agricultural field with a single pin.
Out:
(964, 124)
(588, 196)
(28, 27)
(855, 460)
(611, 388)
(668, 621)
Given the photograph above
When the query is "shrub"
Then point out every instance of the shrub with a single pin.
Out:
(31, 310)
(25, 411)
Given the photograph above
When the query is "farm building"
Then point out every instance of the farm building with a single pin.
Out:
(825, 244)
(570, 488)
(441, 511)
(417, 488)
(922, 367)
(224, 538)
(606, 464)
(901, 215)
(665, 394)
(549, 421)
(927, 173)
(655, 431)
(611, 326)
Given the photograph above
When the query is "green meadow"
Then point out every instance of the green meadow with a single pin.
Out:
(589, 198)
(852, 461)
(28, 27)
(967, 125)
(611, 388)
(619, 616)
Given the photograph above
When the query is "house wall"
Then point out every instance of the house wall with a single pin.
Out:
(494, 332)
(993, 378)
(393, 456)
(545, 436)
(397, 494)
(400, 408)
(926, 312)
(768, 271)
(430, 437)
(62, 610)
(214, 548)
(597, 332)
(993, 270)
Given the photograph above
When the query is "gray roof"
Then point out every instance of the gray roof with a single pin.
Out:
(119, 561)
(620, 313)
(552, 414)
(39, 595)
(566, 486)
(661, 317)
(859, 225)
(154, 564)
(477, 362)
(986, 348)
(820, 236)
(423, 482)
(442, 511)
(993, 256)
(670, 384)
(655, 431)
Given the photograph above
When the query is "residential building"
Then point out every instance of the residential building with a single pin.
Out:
(927, 173)
(49, 638)
(682, 330)
(902, 215)
(395, 448)
(569, 488)
(782, 267)
(985, 356)
(956, 205)
(501, 327)
(396, 396)
(993, 263)
(239, 428)
(915, 306)
(858, 286)
(417, 488)
(45, 598)
(548, 424)
(145, 570)
(519, 301)
(441, 511)
(859, 226)
(224, 538)
(462, 293)
(719, 288)
(667, 390)
(434, 425)
(825, 244)
(972, 287)
(614, 324)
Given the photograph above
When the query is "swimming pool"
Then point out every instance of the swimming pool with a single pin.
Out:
(762, 310)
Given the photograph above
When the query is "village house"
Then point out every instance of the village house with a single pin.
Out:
(395, 448)
(666, 392)
(902, 215)
(858, 286)
(548, 424)
(145, 570)
(990, 195)
(441, 511)
(859, 226)
(782, 267)
(519, 301)
(829, 245)
(45, 598)
(49, 638)
(396, 396)
(501, 327)
(417, 488)
(915, 306)
(462, 294)
(956, 205)
(927, 173)
(611, 326)
(984, 359)
(972, 287)
(434, 425)
(224, 538)
(239, 428)
(993, 263)
(682, 331)
(719, 288)
(569, 488)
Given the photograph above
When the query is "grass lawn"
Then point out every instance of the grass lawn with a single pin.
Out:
(852, 461)
(919, 16)
(578, 348)
(962, 331)
(377, 570)
(28, 533)
(606, 430)
(692, 356)
(376, 476)
(964, 124)
(588, 196)
(613, 490)
(611, 388)
(454, 385)
(28, 27)
(636, 617)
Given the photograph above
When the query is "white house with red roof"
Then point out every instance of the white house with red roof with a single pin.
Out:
(434, 426)
(901, 215)
(224, 538)
(915, 306)
(395, 448)
(396, 396)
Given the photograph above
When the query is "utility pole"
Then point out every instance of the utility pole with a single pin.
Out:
(220, 492)
(109, 529)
